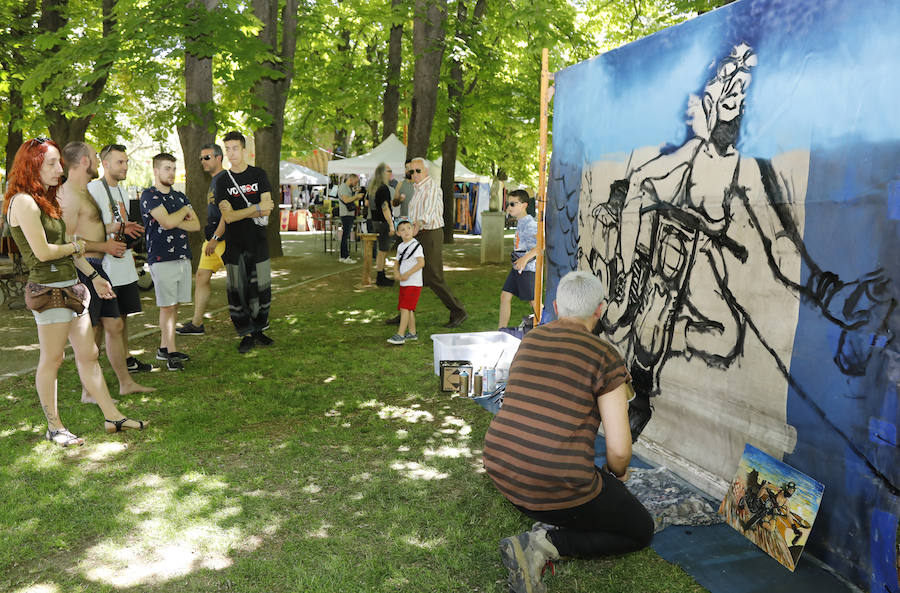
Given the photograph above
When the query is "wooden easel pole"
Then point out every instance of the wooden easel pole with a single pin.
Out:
(542, 187)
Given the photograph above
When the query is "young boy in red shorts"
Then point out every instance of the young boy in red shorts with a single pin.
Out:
(408, 269)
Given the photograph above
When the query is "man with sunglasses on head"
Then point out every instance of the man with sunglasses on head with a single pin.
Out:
(427, 212)
(113, 201)
(83, 218)
(213, 246)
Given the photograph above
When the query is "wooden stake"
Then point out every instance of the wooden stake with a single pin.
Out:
(542, 187)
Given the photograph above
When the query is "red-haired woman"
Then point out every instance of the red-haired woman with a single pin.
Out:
(35, 219)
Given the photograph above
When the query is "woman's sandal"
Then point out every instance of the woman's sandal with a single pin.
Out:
(63, 438)
(119, 425)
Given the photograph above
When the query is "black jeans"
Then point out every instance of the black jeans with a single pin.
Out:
(347, 225)
(614, 522)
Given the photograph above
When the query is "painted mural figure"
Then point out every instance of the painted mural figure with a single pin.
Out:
(685, 202)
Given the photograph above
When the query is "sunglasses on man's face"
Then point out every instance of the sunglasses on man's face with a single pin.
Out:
(415, 170)
(206, 157)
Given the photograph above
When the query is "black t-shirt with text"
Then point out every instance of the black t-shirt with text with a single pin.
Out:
(244, 236)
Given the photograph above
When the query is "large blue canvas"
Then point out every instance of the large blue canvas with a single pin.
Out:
(752, 268)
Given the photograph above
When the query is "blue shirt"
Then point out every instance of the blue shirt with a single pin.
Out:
(526, 238)
(162, 244)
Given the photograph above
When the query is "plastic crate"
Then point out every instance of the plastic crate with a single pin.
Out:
(484, 349)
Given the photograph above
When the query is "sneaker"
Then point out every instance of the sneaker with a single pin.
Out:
(246, 344)
(262, 339)
(136, 366)
(456, 319)
(346, 260)
(173, 364)
(392, 321)
(189, 329)
(164, 354)
(396, 339)
(410, 337)
(525, 556)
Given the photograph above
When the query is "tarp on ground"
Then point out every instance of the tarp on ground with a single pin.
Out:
(294, 174)
(735, 183)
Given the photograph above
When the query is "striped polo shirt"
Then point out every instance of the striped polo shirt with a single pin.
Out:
(539, 449)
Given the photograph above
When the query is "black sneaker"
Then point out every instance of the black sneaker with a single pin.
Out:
(189, 329)
(393, 321)
(262, 339)
(246, 344)
(164, 354)
(136, 366)
(173, 364)
(456, 319)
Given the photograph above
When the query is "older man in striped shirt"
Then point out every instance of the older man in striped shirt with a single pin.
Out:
(564, 382)
(427, 213)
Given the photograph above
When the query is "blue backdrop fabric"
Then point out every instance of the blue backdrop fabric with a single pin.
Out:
(735, 182)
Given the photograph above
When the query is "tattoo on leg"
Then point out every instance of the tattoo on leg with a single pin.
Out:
(51, 417)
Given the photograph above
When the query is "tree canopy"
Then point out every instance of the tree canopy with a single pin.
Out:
(113, 70)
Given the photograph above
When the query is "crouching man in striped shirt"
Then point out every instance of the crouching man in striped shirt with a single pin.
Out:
(539, 449)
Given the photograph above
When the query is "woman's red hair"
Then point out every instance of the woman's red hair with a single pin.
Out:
(25, 177)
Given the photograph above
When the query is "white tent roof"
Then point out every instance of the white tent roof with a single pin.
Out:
(462, 173)
(391, 151)
(294, 174)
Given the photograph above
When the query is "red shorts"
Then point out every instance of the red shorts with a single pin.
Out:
(409, 297)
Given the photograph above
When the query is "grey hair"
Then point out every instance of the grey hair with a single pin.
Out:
(419, 158)
(578, 294)
(217, 150)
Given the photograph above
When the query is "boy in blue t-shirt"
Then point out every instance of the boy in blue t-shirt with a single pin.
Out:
(520, 280)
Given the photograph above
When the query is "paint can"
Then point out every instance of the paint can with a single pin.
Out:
(490, 380)
(476, 385)
(464, 383)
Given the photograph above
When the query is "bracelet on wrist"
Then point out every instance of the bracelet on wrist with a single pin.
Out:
(93, 275)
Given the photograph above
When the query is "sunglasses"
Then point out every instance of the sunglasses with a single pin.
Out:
(109, 148)
(206, 157)
(415, 170)
(39, 140)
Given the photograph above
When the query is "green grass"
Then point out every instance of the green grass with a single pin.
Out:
(327, 462)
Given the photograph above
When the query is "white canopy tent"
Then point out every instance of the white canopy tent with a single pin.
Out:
(294, 174)
(392, 151)
(463, 173)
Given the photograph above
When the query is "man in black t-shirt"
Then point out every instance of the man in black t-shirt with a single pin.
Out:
(244, 196)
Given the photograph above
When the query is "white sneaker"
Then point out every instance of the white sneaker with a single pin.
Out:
(346, 260)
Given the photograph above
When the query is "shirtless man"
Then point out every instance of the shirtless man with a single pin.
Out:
(83, 218)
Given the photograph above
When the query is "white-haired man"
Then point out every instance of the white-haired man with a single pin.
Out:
(427, 213)
(563, 383)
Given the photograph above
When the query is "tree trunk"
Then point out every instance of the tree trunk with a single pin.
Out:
(429, 17)
(391, 114)
(64, 128)
(199, 127)
(272, 93)
(450, 146)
